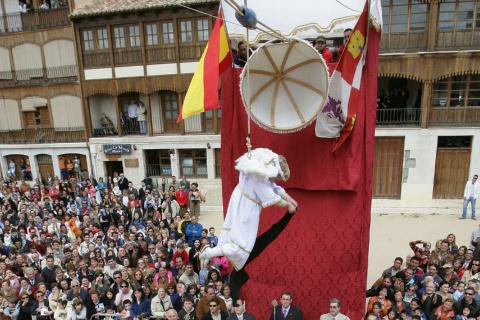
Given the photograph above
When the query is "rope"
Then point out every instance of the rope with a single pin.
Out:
(249, 115)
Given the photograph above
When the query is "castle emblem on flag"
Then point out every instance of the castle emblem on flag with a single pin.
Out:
(357, 41)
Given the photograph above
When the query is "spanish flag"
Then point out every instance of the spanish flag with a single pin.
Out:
(202, 94)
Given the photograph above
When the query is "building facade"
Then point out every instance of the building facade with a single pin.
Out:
(40, 99)
(427, 137)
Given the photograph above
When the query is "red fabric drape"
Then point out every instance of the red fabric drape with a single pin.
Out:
(323, 252)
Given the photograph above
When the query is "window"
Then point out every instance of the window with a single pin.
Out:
(88, 43)
(457, 91)
(152, 34)
(102, 39)
(193, 162)
(186, 31)
(202, 30)
(119, 35)
(158, 162)
(404, 15)
(134, 36)
(167, 31)
(171, 106)
(458, 14)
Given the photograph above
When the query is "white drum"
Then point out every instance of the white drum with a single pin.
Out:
(285, 85)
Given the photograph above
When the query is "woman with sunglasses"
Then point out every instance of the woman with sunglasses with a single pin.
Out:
(25, 307)
(138, 279)
(40, 307)
(124, 294)
(472, 270)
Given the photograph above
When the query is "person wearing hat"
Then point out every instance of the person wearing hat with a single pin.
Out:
(321, 46)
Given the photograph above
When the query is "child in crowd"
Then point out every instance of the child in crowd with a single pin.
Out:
(123, 310)
(79, 310)
(466, 314)
(458, 294)
(12, 310)
(62, 313)
(111, 314)
(188, 310)
(212, 238)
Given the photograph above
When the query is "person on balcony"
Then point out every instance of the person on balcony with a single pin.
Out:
(76, 163)
(142, 119)
(44, 6)
(22, 7)
(11, 169)
(63, 168)
(23, 167)
(133, 116)
(106, 124)
(28, 170)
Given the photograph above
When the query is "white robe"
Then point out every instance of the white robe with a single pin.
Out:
(240, 228)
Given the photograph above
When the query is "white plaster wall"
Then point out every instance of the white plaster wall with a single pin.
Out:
(188, 67)
(161, 69)
(101, 73)
(126, 72)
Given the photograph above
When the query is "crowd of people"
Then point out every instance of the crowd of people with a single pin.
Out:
(441, 283)
(71, 249)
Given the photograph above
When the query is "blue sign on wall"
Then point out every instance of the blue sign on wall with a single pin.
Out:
(117, 148)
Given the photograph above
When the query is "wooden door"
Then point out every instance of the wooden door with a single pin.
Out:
(451, 172)
(45, 165)
(388, 167)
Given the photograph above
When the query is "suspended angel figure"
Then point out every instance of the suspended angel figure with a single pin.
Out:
(256, 190)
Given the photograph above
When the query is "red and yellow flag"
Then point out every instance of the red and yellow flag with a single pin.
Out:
(202, 94)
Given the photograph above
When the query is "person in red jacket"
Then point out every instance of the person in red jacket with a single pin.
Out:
(321, 46)
(181, 197)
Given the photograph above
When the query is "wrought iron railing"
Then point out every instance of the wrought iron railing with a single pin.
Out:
(102, 130)
(16, 22)
(43, 135)
(398, 116)
(198, 171)
(158, 170)
(36, 76)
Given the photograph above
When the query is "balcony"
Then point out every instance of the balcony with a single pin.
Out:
(127, 56)
(43, 135)
(16, 22)
(38, 76)
(403, 42)
(458, 40)
(460, 116)
(192, 52)
(96, 59)
(161, 54)
(401, 116)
